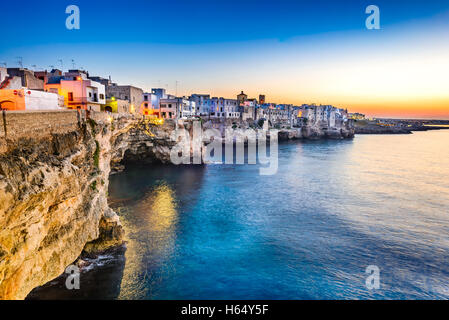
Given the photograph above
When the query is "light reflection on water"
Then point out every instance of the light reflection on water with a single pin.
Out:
(308, 232)
(152, 230)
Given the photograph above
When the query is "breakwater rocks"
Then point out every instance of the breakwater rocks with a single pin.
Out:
(374, 129)
(315, 133)
(382, 130)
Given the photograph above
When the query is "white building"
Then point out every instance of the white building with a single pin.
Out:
(177, 108)
(202, 104)
(224, 108)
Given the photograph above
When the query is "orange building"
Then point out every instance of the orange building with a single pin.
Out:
(25, 99)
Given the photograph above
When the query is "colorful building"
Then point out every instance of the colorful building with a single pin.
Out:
(26, 99)
(116, 106)
(176, 108)
(129, 93)
(150, 105)
(78, 91)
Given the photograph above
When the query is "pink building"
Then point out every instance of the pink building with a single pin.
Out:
(78, 91)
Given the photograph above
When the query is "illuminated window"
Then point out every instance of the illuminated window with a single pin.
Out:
(70, 96)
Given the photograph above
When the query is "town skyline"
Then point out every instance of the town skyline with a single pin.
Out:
(312, 53)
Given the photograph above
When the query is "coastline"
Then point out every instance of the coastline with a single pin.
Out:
(50, 290)
(87, 152)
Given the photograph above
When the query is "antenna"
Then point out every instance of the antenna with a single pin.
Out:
(34, 67)
(176, 87)
(20, 61)
(73, 63)
(62, 65)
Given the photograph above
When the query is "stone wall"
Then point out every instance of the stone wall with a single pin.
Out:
(34, 124)
(25, 123)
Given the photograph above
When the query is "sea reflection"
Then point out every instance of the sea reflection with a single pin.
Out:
(151, 223)
(157, 214)
(307, 232)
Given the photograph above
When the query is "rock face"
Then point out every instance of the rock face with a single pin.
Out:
(53, 191)
(314, 132)
(54, 176)
(144, 143)
(52, 202)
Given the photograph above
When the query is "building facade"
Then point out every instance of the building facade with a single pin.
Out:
(175, 108)
(27, 99)
(78, 91)
(129, 93)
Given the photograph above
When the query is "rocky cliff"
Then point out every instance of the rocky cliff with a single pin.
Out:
(54, 173)
(53, 198)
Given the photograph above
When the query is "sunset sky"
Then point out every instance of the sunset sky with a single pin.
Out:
(291, 51)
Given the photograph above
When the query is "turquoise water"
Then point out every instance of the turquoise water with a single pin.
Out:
(307, 232)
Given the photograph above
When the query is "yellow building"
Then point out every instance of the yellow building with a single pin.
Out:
(117, 106)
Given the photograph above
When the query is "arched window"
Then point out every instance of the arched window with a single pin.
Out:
(7, 105)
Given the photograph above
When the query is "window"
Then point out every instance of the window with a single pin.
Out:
(145, 98)
(70, 96)
(101, 96)
(146, 105)
(126, 97)
(90, 94)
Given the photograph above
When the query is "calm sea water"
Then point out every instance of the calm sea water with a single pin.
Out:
(307, 232)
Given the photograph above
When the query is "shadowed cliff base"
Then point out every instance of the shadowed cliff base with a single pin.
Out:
(100, 279)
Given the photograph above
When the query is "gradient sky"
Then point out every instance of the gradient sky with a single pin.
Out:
(291, 51)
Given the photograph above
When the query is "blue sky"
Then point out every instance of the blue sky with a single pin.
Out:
(197, 21)
(223, 47)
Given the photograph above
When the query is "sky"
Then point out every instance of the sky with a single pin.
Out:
(292, 51)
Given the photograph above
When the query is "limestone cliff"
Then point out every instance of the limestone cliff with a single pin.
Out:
(54, 174)
(53, 200)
